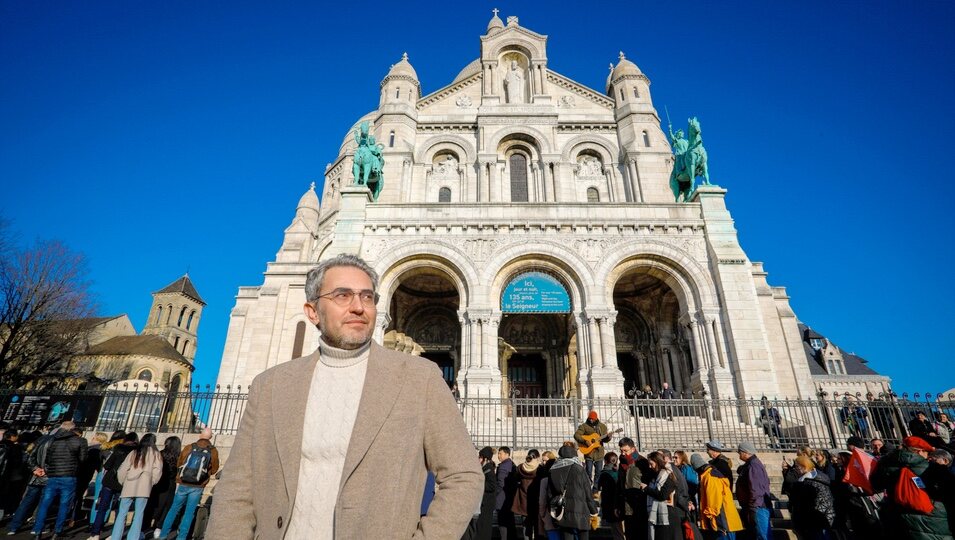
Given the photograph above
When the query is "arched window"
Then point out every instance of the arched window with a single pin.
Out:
(182, 314)
(444, 195)
(621, 94)
(189, 320)
(299, 340)
(397, 93)
(391, 139)
(592, 195)
(185, 347)
(646, 139)
(176, 344)
(168, 313)
(159, 315)
(518, 166)
(145, 375)
(636, 92)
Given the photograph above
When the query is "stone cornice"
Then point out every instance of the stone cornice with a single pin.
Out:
(580, 89)
(408, 78)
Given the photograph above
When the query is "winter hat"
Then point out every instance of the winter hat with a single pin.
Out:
(856, 441)
(697, 461)
(917, 443)
(567, 452)
(592, 415)
(487, 453)
(715, 445)
(747, 447)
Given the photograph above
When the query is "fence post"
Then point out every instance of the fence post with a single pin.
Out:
(513, 420)
(636, 421)
(709, 415)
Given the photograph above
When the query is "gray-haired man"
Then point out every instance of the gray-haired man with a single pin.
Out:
(375, 418)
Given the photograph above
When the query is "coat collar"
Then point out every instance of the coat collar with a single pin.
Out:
(289, 398)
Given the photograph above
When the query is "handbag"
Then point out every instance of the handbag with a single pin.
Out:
(556, 506)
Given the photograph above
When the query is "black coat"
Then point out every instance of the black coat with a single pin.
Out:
(67, 451)
(810, 501)
(116, 458)
(504, 499)
(11, 460)
(567, 476)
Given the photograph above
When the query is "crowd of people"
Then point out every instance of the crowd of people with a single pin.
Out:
(866, 491)
(122, 473)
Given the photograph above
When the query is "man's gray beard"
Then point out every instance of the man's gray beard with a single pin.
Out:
(346, 344)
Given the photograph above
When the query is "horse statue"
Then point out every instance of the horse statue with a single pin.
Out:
(689, 161)
(369, 162)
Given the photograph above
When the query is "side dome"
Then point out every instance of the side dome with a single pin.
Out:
(624, 67)
(495, 24)
(309, 200)
(402, 69)
(469, 70)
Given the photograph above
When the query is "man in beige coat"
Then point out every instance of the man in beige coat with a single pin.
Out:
(338, 444)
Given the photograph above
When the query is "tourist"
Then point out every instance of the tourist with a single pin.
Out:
(160, 498)
(85, 473)
(771, 422)
(140, 471)
(666, 392)
(752, 491)
(591, 436)
(857, 515)
(610, 509)
(682, 462)
(505, 494)
(324, 452)
(481, 529)
(719, 519)
(662, 517)
(67, 450)
(546, 528)
(568, 478)
(681, 498)
(11, 465)
(105, 451)
(878, 447)
(823, 461)
(197, 463)
(810, 499)
(899, 519)
(525, 500)
(925, 430)
(719, 461)
(943, 427)
(638, 472)
(35, 463)
(111, 484)
(855, 417)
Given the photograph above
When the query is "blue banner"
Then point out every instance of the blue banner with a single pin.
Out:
(535, 292)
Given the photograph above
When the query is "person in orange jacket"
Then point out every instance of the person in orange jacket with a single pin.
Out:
(718, 515)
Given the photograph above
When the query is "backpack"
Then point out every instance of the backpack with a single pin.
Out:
(909, 493)
(196, 468)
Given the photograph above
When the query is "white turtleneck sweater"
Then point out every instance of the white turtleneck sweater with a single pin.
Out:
(329, 419)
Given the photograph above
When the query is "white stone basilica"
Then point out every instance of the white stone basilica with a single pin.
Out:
(527, 240)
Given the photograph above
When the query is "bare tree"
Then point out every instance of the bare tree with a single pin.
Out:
(44, 299)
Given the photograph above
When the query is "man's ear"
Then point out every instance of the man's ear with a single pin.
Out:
(311, 313)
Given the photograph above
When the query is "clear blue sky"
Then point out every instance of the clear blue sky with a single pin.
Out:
(158, 137)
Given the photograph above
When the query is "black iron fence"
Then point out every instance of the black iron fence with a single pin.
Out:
(772, 425)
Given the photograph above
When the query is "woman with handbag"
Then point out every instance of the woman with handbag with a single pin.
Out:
(140, 471)
(663, 519)
(572, 504)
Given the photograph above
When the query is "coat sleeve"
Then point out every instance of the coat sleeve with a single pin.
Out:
(449, 454)
(232, 516)
(579, 434)
(123, 471)
(157, 468)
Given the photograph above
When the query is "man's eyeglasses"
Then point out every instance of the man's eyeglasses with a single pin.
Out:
(344, 297)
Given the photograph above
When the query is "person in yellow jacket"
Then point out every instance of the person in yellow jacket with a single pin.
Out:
(719, 518)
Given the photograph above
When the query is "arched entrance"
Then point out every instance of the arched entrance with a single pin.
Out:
(652, 348)
(424, 321)
(535, 336)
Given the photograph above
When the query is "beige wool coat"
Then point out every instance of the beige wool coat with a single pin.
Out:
(407, 424)
(139, 481)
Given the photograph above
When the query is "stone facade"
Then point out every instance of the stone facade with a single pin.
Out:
(513, 169)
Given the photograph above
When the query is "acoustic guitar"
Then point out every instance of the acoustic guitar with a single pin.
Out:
(595, 441)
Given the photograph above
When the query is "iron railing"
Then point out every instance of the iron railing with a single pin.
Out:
(683, 423)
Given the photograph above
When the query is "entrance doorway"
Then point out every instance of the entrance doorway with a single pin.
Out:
(445, 362)
(527, 374)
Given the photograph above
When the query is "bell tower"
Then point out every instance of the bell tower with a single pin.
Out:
(175, 315)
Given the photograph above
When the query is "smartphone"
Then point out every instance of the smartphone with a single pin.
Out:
(918, 482)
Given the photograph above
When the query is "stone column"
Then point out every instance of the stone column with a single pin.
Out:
(608, 341)
(382, 320)
(635, 187)
(494, 188)
(596, 359)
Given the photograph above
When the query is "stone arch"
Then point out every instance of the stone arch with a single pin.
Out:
(555, 258)
(541, 140)
(670, 264)
(524, 46)
(588, 142)
(412, 255)
(455, 143)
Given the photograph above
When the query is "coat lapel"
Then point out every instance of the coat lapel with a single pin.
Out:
(383, 382)
(289, 399)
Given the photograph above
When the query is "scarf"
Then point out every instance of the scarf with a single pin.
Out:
(565, 462)
(658, 509)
